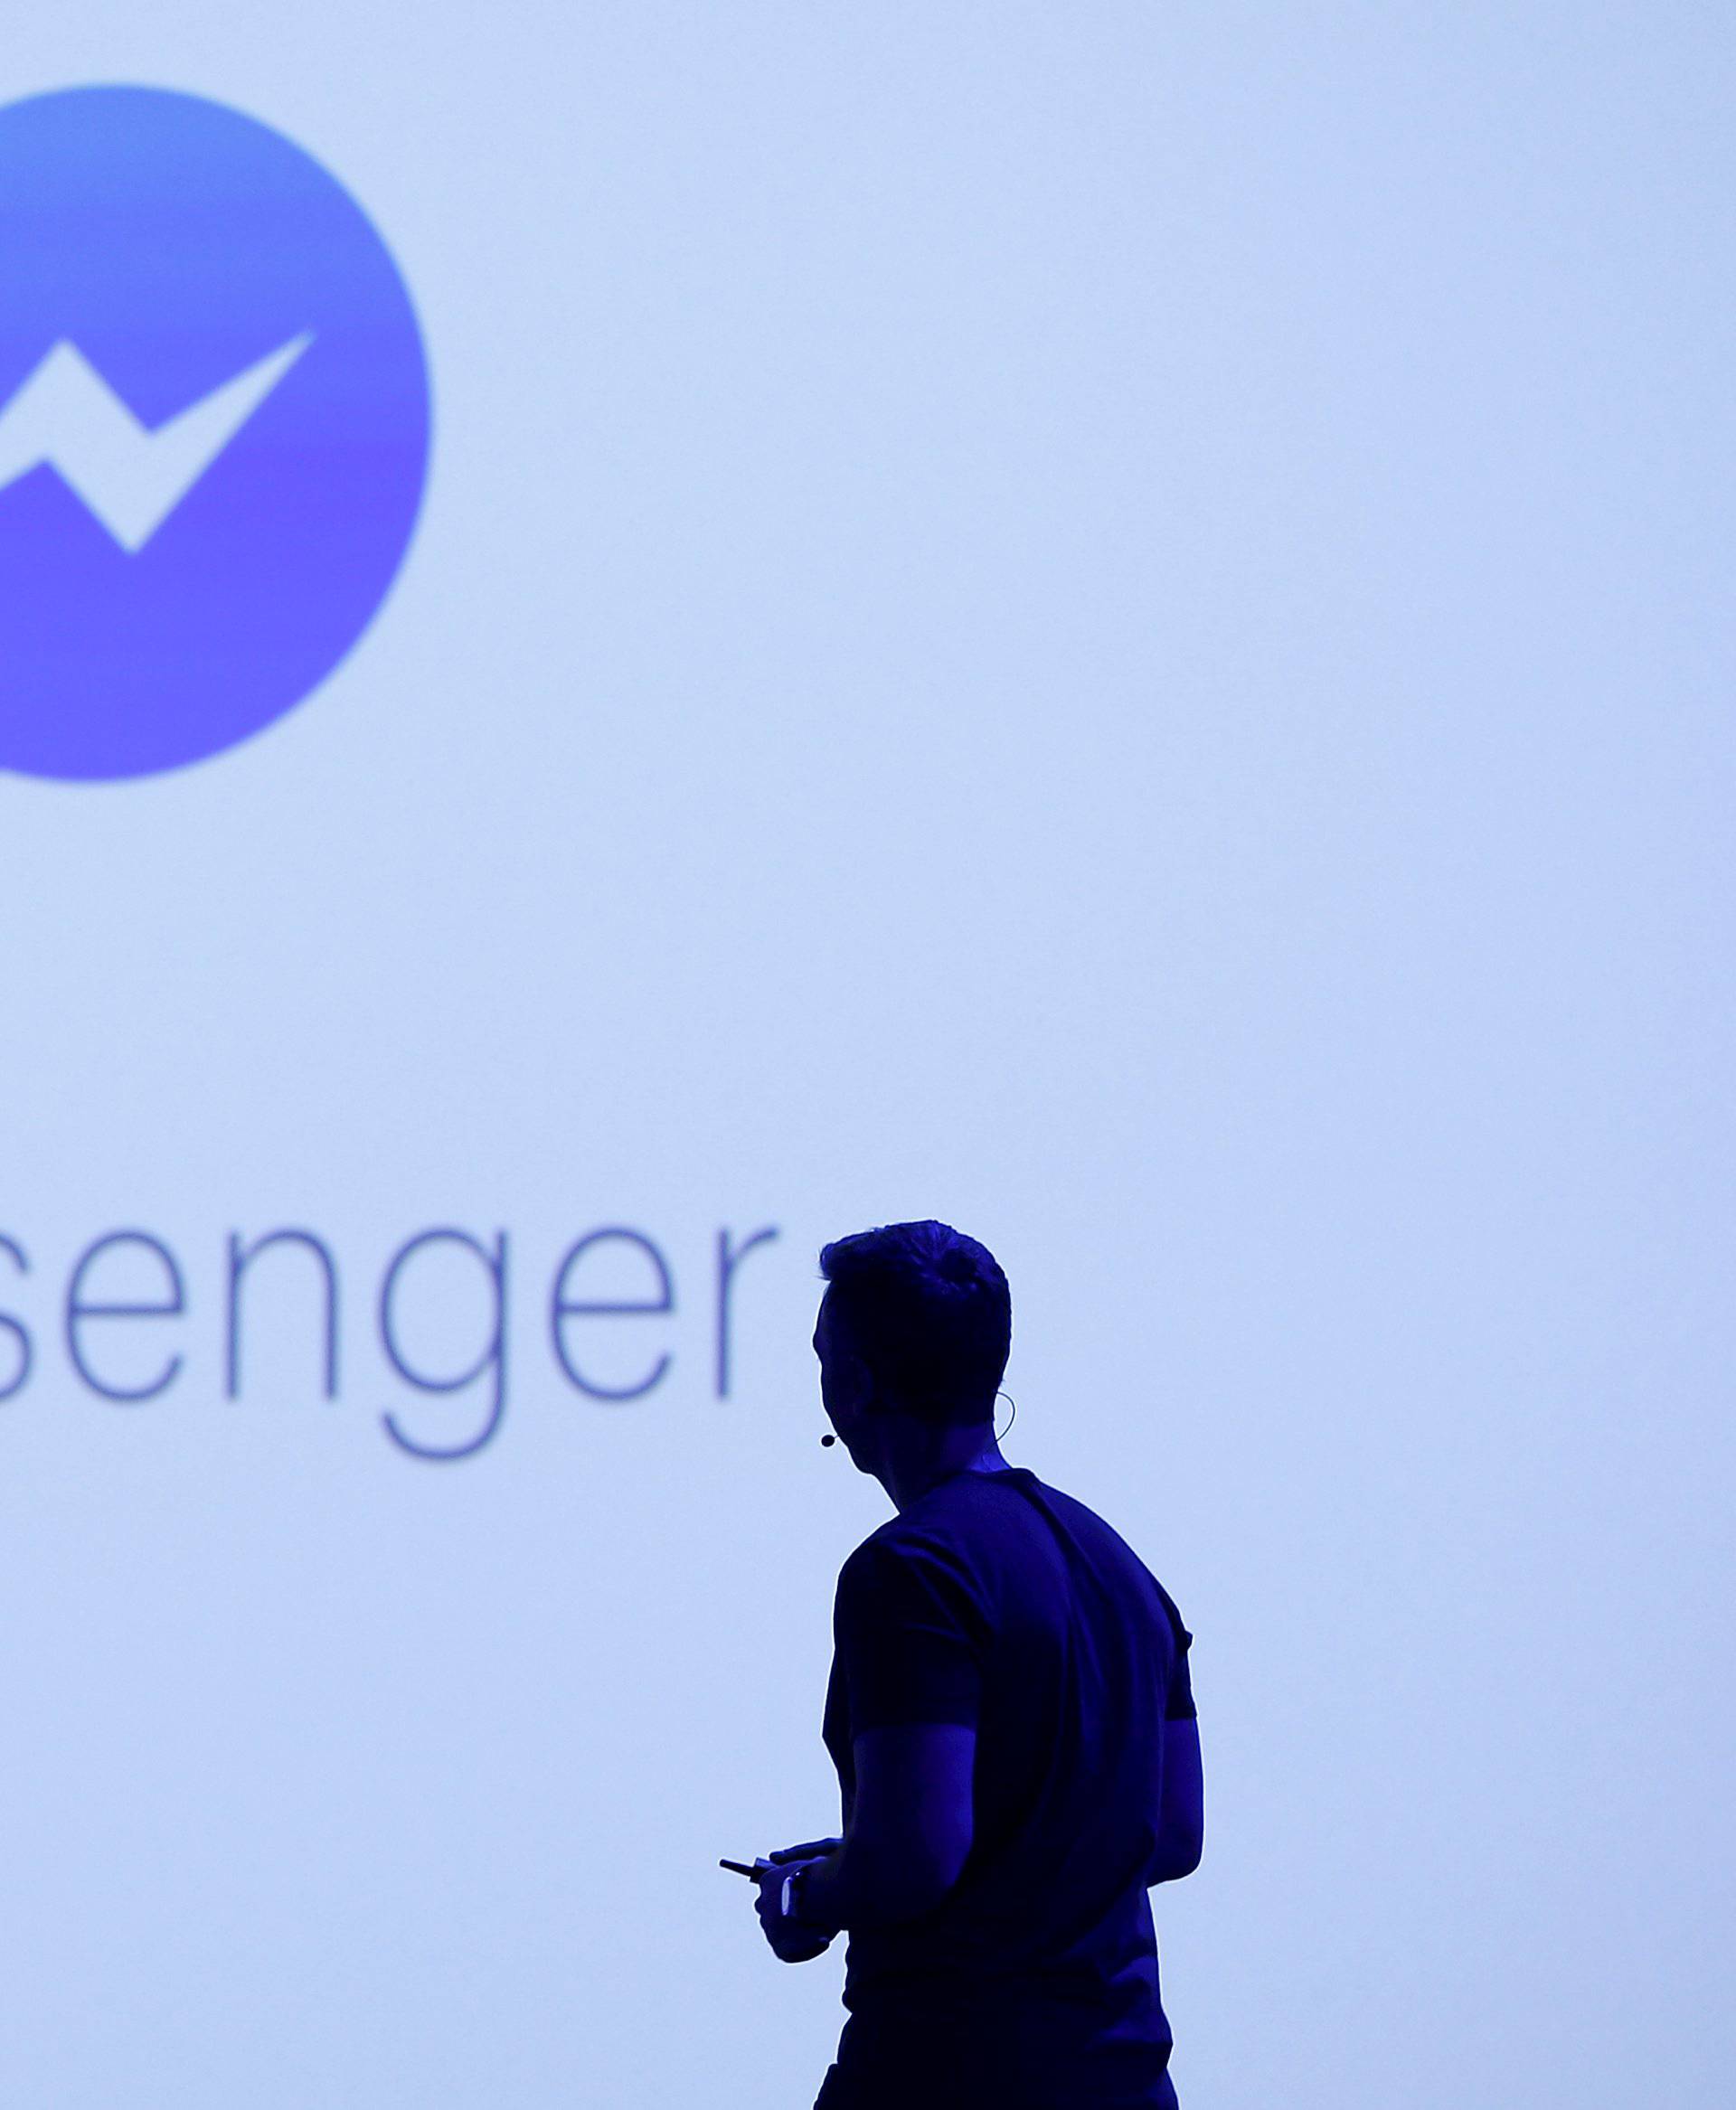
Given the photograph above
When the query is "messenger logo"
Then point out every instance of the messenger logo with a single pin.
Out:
(214, 430)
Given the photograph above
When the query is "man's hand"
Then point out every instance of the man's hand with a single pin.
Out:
(791, 1942)
(808, 1850)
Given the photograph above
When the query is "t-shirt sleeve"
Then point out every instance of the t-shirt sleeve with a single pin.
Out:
(907, 1627)
(1178, 1701)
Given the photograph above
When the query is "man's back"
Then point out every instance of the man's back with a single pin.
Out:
(996, 1600)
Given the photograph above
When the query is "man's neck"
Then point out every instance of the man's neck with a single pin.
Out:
(964, 1450)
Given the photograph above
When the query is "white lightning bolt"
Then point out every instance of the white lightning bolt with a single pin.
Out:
(132, 478)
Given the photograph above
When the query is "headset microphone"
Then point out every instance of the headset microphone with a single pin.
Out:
(827, 1439)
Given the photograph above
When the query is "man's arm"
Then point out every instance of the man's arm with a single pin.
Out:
(908, 1832)
(1181, 1824)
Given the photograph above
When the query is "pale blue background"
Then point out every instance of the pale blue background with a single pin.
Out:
(1107, 622)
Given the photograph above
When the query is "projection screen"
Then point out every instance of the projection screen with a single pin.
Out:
(632, 639)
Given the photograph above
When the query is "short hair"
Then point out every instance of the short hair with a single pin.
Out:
(929, 1311)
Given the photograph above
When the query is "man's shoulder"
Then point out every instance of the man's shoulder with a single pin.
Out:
(1094, 1526)
(911, 1555)
(900, 1539)
(1112, 1554)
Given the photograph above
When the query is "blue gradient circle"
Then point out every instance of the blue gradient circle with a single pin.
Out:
(175, 244)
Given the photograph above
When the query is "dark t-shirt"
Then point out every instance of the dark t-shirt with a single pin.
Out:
(1001, 1602)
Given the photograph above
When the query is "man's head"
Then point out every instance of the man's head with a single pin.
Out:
(917, 1321)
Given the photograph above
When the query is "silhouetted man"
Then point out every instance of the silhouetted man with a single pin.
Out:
(1012, 1720)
